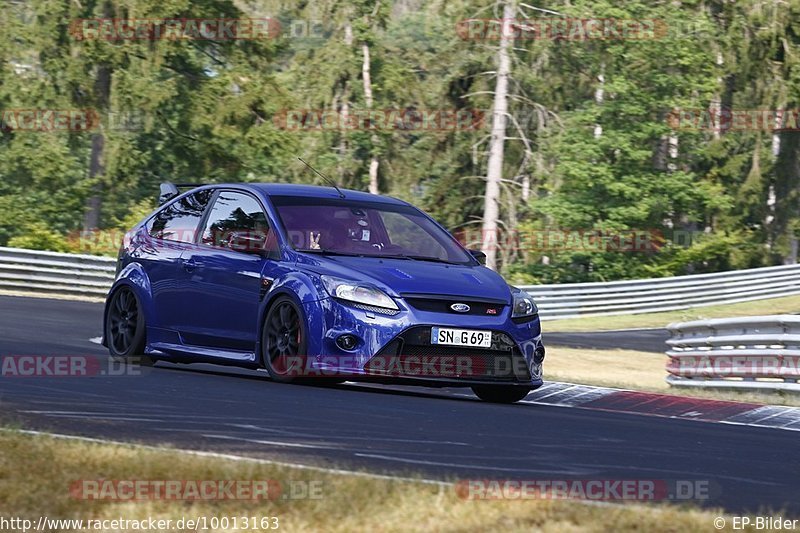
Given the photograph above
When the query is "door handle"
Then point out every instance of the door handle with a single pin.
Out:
(189, 264)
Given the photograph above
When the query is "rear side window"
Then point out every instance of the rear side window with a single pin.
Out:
(234, 213)
(179, 220)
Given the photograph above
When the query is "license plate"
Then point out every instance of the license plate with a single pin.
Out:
(461, 337)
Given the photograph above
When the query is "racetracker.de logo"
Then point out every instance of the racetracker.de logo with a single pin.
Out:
(174, 29)
(639, 490)
(564, 240)
(141, 490)
(560, 29)
(732, 120)
(410, 119)
(735, 366)
(417, 365)
(49, 120)
(65, 366)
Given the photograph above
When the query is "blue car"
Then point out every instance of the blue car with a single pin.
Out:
(317, 284)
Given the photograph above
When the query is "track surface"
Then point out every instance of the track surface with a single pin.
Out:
(438, 433)
(643, 340)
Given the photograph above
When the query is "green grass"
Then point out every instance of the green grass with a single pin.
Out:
(772, 306)
(36, 473)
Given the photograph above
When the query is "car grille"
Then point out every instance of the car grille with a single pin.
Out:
(441, 304)
(412, 355)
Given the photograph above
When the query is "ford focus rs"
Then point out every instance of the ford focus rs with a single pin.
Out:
(317, 284)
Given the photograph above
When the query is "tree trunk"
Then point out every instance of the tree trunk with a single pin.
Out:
(599, 97)
(494, 171)
(91, 218)
(715, 107)
(94, 204)
(365, 74)
(345, 110)
(672, 151)
(787, 193)
(102, 95)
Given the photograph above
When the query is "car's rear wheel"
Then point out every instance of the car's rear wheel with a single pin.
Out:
(125, 328)
(500, 394)
(283, 341)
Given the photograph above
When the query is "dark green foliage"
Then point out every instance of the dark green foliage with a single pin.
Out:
(209, 111)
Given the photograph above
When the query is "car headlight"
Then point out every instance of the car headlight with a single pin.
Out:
(524, 306)
(359, 293)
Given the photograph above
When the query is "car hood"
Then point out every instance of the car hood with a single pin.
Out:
(399, 276)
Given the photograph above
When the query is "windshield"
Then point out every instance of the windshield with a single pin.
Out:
(374, 229)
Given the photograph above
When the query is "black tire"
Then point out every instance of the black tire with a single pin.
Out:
(500, 394)
(125, 333)
(284, 341)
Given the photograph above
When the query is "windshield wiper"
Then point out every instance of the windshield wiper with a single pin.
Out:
(324, 251)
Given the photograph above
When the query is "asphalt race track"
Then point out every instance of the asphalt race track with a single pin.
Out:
(643, 340)
(438, 434)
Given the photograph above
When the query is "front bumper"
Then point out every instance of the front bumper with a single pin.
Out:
(397, 348)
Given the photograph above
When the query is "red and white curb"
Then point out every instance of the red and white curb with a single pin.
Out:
(666, 405)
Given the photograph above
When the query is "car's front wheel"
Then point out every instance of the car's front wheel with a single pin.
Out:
(500, 394)
(283, 341)
(125, 328)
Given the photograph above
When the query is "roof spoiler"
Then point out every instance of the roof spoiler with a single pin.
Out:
(168, 190)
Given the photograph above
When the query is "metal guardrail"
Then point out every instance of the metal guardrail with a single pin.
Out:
(755, 352)
(55, 273)
(88, 275)
(570, 300)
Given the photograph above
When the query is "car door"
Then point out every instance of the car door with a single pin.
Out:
(224, 279)
(171, 230)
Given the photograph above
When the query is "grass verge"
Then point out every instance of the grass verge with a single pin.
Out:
(772, 306)
(36, 473)
(628, 369)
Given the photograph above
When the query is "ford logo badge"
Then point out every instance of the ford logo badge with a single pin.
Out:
(460, 308)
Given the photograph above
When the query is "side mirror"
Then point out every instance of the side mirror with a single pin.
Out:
(480, 256)
(167, 192)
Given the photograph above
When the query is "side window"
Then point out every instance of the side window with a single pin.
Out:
(237, 215)
(179, 220)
